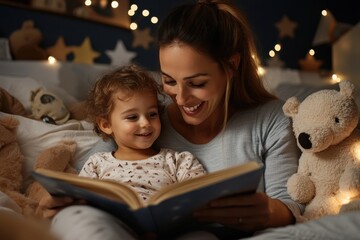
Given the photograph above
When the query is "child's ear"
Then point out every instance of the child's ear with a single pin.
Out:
(104, 125)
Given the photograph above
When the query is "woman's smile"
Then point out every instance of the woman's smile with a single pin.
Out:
(194, 109)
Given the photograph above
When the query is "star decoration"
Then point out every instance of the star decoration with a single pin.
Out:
(59, 50)
(142, 38)
(310, 63)
(84, 53)
(286, 27)
(120, 56)
(275, 62)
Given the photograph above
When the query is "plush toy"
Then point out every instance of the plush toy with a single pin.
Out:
(328, 176)
(56, 158)
(10, 104)
(11, 164)
(48, 107)
(24, 43)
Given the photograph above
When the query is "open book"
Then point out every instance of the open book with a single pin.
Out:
(168, 209)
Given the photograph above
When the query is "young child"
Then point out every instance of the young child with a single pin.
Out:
(124, 105)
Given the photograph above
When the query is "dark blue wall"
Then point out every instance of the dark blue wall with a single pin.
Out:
(262, 14)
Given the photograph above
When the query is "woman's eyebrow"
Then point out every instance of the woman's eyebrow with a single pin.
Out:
(189, 77)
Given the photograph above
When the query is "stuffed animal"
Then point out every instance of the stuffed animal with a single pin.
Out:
(11, 164)
(328, 176)
(10, 104)
(48, 107)
(56, 158)
(24, 43)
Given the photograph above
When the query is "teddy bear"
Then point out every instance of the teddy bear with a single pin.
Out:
(11, 164)
(57, 158)
(10, 104)
(327, 181)
(24, 43)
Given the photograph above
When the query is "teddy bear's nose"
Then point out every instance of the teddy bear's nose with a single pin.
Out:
(304, 140)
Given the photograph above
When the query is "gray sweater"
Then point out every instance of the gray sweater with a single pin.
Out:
(261, 134)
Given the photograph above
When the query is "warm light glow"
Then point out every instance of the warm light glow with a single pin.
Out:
(131, 12)
(114, 4)
(324, 13)
(277, 47)
(133, 26)
(346, 200)
(355, 150)
(272, 53)
(145, 13)
(103, 3)
(134, 7)
(154, 20)
(87, 3)
(312, 52)
(261, 71)
(51, 60)
(335, 78)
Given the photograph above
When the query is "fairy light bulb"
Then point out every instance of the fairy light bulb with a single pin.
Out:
(277, 47)
(272, 53)
(52, 60)
(114, 4)
(154, 20)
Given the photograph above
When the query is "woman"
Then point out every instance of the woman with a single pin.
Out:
(223, 115)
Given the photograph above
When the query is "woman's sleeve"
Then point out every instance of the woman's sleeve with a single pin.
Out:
(281, 159)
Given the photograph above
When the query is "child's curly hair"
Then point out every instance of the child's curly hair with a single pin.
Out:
(100, 101)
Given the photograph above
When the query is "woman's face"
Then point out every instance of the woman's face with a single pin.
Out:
(194, 81)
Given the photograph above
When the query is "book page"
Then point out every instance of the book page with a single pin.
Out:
(202, 181)
(113, 190)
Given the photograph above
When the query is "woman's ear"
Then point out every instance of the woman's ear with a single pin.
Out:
(104, 125)
(235, 60)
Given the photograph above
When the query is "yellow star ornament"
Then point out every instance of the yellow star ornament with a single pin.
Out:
(59, 50)
(286, 27)
(84, 53)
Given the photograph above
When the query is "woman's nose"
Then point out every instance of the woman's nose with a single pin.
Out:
(181, 96)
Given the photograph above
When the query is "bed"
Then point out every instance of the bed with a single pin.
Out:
(71, 82)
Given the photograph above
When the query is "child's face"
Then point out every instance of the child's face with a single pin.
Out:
(134, 121)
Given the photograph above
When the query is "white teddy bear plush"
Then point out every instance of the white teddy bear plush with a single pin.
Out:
(328, 176)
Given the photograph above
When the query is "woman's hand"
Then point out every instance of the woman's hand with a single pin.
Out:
(49, 206)
(246, 212)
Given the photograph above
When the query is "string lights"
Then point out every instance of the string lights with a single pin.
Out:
(144, 14)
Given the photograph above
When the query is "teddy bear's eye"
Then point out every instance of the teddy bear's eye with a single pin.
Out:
(337, 120)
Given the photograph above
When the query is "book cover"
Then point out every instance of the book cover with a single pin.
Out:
(172, 212)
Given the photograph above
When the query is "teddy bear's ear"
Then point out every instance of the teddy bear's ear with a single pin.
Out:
(34, 93)
(347, 88)
(291, 106)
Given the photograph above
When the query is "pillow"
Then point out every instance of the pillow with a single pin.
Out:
(301, 91)
(21, 87)
(35, 136)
